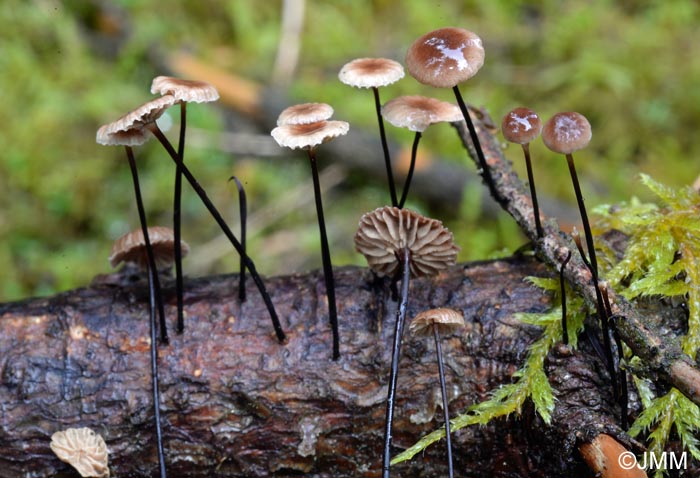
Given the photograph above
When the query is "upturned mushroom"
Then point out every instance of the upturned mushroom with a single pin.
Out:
(523, 126)
(435, 322)
(184, 91)
(444, 58)
(375, 73)
(400, 240)
(139, 123)
(307, 137)
(416, 113)
(83, 449)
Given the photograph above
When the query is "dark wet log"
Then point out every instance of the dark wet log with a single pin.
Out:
(237, 404)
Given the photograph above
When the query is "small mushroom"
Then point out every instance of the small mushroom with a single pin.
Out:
(184, 91)
(83, 449)
(435, 322)
(416, 113)
(393, 239)
(375, 73)
(308, 137)
(444, 58)
(607, 458)
(523, 126)
(305, 113)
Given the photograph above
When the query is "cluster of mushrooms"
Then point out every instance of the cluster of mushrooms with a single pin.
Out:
(398, 243)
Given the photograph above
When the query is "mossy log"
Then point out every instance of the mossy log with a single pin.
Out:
(236, 403)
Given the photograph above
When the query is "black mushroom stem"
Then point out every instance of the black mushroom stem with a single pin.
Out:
(385, 147)
(533, 192)
(325, 256)
(564, 328)
(411, 168)
(404, 260)
(154, 301)
(243, 214)
(153, 281)
(445, 402)
(247, 261)
(177, 204)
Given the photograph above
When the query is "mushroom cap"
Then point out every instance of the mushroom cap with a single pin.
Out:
(521, 125)
(305, 113)
(132, 137)
(445, 57)
(136, 119)
(371, 72)
(566, 132)
(189, 91)
(607, 457)
(383, 234)
(131, 247)
(418, 112)
(307, 136)
(83, 449)
(447, 320)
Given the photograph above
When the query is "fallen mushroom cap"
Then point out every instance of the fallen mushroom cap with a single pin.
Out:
(136, 119)
(383, 234)
(189, 91)
(305, 113)
(371, 72)
(83, 449)
(418, 112)
(131, 247)
(306, 136)
(566, 132)
(447, 320)
(445, 57)
(521, 125)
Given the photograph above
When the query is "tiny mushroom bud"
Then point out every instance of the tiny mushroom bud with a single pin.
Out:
(434, 322)
(375, 73)
(308, 136)
(393, 239)
(417, 113)
(83, 449)
(522, 126)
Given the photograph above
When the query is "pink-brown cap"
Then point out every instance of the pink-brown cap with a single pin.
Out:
(132, 137)
(447, 321)
(566, 132)
(521, 125)
(418, 112)
(188, 91)
(307, 136)
(445, 57)
(384, 233)
(305, 113)
(371, 72)
(131, 247)
(83, 449)
(136, 119)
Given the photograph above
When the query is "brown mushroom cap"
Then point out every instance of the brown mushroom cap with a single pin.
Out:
(609, 459)
(305, 113)
(566, 132)
(447, 320)
(371, 72)
(418, 112)
(521, 125)
(189, 91)
(136, 119)
(83, 449)
(131, 137)
(307, 136)
(131, 247)
(383, 234)
(445, 57)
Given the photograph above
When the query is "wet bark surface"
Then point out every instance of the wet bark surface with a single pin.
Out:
(237, 403)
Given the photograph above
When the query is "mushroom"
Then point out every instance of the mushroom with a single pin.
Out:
(393, 239)
(417, 113)
(607, 458)
(523, 126)
(435, 322)
(184, 91)
(308, 136)
(305, 113)
(243, 213)
(83, 449)
(443, 58)
(374, 73)
(138, 123)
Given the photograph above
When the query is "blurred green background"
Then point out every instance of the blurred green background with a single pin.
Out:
(67, 67)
